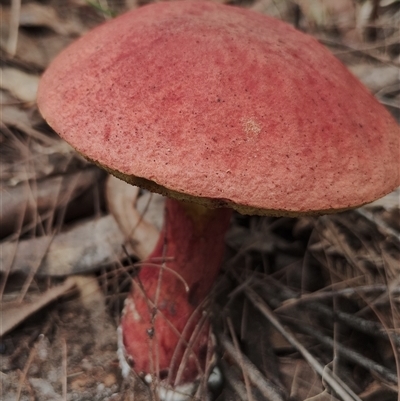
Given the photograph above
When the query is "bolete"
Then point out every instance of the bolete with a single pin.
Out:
(218, 108)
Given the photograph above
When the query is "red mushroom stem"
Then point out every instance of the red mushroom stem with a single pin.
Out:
(163, 315)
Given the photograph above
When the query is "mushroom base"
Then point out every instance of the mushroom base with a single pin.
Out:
(164, 327)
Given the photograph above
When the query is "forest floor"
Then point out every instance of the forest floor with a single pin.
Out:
(298, 298)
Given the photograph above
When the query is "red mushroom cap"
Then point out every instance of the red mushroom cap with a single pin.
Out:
(234, 108)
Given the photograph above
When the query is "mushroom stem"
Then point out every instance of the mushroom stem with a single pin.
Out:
(163, 315)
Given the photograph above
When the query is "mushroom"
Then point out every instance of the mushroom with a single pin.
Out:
(218, 108)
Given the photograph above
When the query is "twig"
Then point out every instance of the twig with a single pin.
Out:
(368, 50)
(342, 246)
(35, 268)
(239, 359)
(232, 377)
(365, 326)
(382, 226)
(32, 132)
(337, 385)
(358, 323)
(14, 27)
(64, 368)
(350, 355)
(32, 354)
(267, 388)
(323, 294)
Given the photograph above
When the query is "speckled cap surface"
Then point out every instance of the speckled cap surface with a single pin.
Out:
(234, 108)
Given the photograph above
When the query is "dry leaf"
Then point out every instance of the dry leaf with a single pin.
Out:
(121, 199)
(82, 249)
(28, 200)
(151, 206)
(37, 160)
(40, 15)
(328, 13)
(300, 377)
(378, 391)
(36, 50)
(388, 202)
(376, 77)
(364, 14)
(22, 120)
(82, 346)
(275, 8)
(385, 3)
(22, 85)
(13, 314)
(13, 115)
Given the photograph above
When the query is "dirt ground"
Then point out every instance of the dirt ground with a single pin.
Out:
(298, 298)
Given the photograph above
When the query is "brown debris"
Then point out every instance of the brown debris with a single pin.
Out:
(331, 285)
